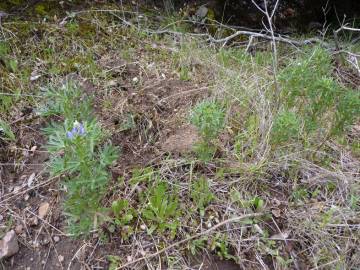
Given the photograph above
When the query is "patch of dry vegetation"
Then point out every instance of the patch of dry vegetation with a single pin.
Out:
(270, 179)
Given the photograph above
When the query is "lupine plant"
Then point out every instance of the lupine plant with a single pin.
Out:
(77, 155)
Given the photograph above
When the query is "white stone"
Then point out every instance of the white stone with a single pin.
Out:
(9, 245)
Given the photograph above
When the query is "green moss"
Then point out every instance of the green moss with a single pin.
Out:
(41, 9)
(87, 30)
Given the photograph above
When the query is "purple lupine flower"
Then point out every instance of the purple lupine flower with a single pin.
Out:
(69, 135)
(81, 130)
(77, 130)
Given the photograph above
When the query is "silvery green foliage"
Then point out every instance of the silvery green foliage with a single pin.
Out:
(77, 155)
(209, 118)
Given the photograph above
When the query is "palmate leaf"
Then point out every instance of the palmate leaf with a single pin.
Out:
(108, 155)
(58, 165)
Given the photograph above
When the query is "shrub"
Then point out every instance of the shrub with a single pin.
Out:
(347, 110)
(315, 99)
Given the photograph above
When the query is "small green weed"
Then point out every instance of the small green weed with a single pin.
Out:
(122, 212)
(209, 118)
(162, 210)
(247, 140)
(354, 197)
(123, 215)
(201, 194)
(197, 245)
(6, 132)
(220, 245)
(9, 62)
(115, 262)
(256, 203)
(142, 175)
(184, 73)
(300, 194)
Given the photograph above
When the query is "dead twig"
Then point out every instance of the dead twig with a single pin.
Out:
(278, 38)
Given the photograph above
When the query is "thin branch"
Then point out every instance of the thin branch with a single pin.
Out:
(349, 29)
(209, 37)
(265, 36)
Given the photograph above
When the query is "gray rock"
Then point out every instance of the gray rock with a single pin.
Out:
(3, 14)
(201, 12)
(9, 245)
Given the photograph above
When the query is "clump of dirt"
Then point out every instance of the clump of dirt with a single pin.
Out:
(182, 141)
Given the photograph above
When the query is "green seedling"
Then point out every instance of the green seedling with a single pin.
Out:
(122, 212)
(6, 132)
(201, 194)
(162, 211)
(209, 119)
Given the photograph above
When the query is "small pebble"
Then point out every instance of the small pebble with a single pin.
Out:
(8, 245)
(143, 227)
(129, 258)
(135, 80)
(56, 238)
(43, 209)
(61, 258)
(45, 241)
(18, 229)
